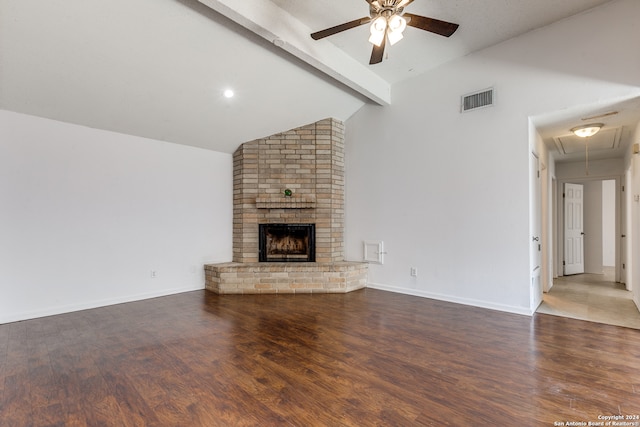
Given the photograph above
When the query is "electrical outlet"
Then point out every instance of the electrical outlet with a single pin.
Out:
(414, 271)
(154, 274)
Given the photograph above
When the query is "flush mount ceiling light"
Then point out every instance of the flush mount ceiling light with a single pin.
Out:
(586, 131)
(228, 93)
(388, 21)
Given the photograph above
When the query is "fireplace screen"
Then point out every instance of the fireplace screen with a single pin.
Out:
(287, 243)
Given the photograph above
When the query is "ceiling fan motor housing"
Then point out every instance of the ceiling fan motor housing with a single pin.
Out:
(386, 10)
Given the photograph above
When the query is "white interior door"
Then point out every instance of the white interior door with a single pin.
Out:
(573, 229)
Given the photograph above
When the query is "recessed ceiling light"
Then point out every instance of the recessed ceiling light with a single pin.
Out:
(228, 93)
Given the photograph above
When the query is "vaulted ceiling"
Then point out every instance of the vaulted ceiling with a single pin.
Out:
(158, 68)
(483, 23)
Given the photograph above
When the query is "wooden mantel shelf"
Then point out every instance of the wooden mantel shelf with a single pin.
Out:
(279, 201)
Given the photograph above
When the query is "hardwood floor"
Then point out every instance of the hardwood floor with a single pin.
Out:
(360, 359)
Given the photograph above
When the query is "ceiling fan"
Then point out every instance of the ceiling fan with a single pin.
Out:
(388, 21)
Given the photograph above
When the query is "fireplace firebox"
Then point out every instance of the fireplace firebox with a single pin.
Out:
(287, 242)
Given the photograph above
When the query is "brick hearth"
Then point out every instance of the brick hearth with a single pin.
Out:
(272, 277)
(309, 161)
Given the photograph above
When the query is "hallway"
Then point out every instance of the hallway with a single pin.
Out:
(593, 297)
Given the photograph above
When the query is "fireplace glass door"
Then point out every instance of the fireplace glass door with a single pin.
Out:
(287, 242)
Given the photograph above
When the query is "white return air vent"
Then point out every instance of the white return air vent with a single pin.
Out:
(480, 99)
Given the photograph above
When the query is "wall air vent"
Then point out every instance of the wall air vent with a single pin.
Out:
(473, 101)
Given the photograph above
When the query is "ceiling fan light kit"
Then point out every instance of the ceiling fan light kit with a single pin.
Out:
(378, 29)
(396, 25)
(388, 22)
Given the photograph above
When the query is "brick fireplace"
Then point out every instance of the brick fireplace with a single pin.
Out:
(295, 177)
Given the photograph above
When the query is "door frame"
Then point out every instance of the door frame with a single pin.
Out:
(559, 211)
(536, 260)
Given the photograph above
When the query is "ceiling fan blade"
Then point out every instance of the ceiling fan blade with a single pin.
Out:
(378, 52)
(436, 26)
(404, 3)
(339, 28)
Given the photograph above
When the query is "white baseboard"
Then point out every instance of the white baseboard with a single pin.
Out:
(449, 298)
(52, 311)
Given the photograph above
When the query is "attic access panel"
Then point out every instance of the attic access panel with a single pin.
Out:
(606, 139)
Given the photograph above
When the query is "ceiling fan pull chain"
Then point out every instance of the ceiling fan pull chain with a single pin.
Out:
(586, 156)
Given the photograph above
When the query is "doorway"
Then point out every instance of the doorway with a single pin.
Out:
(573, 261)
(602, 255)
(595, 233)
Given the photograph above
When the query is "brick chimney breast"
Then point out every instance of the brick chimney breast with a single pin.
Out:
(294, 177)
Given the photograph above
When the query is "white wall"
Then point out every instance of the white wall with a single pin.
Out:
(592, 217)
(448, 192)
(608, 223)
(86, 215)
(632, 244)
(598, 169)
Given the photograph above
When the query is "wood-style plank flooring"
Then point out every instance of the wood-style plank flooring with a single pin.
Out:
(361, 359)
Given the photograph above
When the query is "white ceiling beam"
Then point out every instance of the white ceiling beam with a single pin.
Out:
(279, 27)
